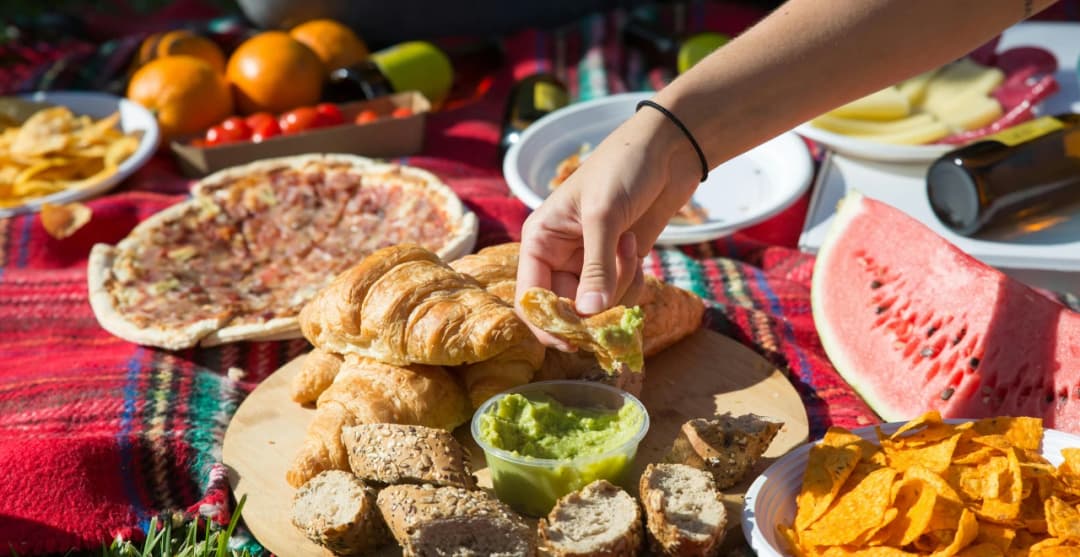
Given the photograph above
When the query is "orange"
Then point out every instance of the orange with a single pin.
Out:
(184, 93)
(272, 72)
(335, 44)
(181, 42)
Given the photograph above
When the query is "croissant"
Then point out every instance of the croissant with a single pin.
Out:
(495, 268)
(671, 314)
(366, 391)
(613, 335)
(403, 305)
(317, 373)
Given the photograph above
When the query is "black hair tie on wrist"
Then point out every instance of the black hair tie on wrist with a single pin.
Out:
(686, 132)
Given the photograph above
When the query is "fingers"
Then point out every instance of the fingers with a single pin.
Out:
(636, 288)
(599, 272)
(626, 262)
(534, 271)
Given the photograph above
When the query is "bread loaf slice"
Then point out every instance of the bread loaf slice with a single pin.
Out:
(599, 519)
(683, 510)
(337, 511)
(452, 521)
(726, 446)
(384, 454)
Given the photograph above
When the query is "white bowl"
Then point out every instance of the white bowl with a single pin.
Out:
(771, 498)
(133, 117)
(743, 191)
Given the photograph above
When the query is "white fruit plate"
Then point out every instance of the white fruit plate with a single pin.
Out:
(770, 501)
(133, 118)
(743, 191)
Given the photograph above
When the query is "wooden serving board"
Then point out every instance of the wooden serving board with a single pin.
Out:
(703, 374)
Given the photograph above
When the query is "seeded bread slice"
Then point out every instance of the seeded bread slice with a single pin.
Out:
(597, 520)
(337, 511)
(451, 521)
(726, 446)
(384, 454)
(684, 513)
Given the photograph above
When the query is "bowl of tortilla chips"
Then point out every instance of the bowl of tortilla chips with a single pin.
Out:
(59, 147)
(990, 487)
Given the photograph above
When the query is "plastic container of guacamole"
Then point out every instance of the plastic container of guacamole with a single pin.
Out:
(546, 439)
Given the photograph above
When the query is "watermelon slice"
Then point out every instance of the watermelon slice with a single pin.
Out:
(915, 324)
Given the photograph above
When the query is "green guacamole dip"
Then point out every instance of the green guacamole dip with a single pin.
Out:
(582, 441)
(623, 334)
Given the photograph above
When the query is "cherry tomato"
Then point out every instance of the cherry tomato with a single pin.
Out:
(265, 129)
(237, 129)
(259, 118)
(215, 136)
(298, 120)
(366, 116)
(402, 112)
(329, 114)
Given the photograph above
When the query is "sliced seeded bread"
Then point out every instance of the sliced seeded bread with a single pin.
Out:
(684, 513)
(597, 520)
(338, 511)
(726, 446)
(451, 521)
(384, 454)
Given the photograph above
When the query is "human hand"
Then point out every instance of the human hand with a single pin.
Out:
(586, 241)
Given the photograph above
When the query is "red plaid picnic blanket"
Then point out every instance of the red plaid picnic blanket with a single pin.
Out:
(98, 435)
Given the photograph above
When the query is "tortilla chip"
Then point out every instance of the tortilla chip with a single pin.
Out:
(855, 512)
(827, 469)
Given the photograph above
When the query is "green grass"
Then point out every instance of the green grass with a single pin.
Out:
(187, 540)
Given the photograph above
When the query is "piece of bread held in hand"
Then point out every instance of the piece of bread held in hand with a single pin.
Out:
(613, 335)
(366, 391)
(428, 520)
(598, 519)
(683, 510)
(338, 511)
(403, 305)
(387, 454)
(317, 373)
(726, 446)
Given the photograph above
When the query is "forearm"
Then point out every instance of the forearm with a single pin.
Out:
(813, 55)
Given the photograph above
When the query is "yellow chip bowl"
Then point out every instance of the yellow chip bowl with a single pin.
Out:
(925, 487)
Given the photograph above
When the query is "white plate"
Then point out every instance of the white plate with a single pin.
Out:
(743, 191)
(771, 498)
(133, 117)
(872, 150)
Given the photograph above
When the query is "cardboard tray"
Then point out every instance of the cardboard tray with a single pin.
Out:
(385, 137)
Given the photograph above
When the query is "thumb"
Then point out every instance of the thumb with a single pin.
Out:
(599, 269)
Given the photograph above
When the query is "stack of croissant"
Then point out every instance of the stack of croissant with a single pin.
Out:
(406, 338)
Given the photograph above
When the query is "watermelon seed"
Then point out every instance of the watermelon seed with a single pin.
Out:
(1049, 398)
(1078, 392)
(959, 336)
(927, 352)
(974, 363)
(947, 393)
(930, 332)
(875, 284)
(881, 309)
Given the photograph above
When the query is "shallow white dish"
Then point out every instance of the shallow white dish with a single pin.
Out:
(872, 150)
(771, 498)
(743, 191)
(133, 118)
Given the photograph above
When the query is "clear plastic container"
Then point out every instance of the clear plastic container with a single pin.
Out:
(532, 485)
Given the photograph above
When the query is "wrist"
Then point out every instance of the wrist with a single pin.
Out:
(669, 147)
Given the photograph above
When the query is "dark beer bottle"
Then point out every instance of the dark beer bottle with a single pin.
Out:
(530, 99)
(1009, 178)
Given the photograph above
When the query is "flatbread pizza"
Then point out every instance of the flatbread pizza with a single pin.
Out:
(254, 243)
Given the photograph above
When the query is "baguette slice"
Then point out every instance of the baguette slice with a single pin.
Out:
(599, 519)
(384, 454)
(683, 510)
(726, 446)
(337, 511)
(428, 520)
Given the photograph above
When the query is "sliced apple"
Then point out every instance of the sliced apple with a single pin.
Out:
(886, 104)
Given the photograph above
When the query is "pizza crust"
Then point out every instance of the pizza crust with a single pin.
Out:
(212, 332)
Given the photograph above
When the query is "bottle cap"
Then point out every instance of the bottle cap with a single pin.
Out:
(954, 196)
(417, 66)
